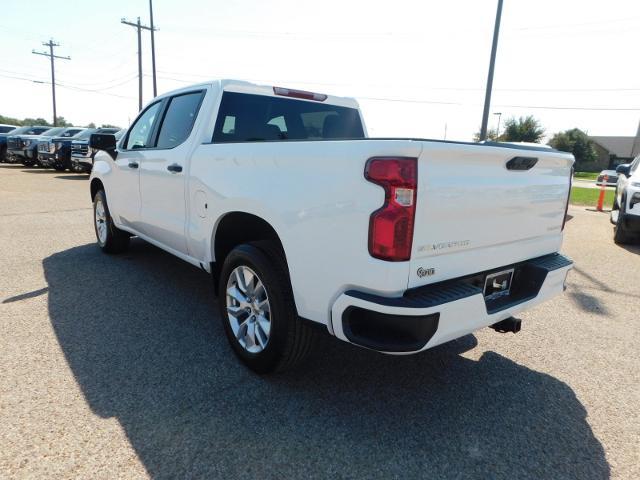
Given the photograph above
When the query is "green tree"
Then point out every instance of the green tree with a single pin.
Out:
(108, 125)
(62, 122)
(36, 121)
(492, 135)
(523, 129)
(577, 142)
(91, 125)
(10, 120)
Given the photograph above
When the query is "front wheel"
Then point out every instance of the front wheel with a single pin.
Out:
(258, 311)
(110, 238)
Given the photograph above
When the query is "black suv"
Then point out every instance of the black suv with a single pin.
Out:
(18, 140)
(43, 148)
(82, 155)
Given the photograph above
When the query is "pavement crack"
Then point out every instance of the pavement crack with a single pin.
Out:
(57, 210)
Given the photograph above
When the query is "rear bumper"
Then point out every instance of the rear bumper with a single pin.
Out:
(428, 316)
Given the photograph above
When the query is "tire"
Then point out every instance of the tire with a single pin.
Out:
(289, 339)
(58, 168)
(620, 235)
(3, 154)
(110, 238)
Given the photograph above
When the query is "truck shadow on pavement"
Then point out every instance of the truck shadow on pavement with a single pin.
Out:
(142, 337)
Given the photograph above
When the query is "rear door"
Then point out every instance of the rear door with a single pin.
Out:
(163, 172)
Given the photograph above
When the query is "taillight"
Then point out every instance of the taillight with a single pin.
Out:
(391, 226)
(566, 207)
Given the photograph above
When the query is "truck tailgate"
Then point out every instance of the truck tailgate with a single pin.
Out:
(473, 213)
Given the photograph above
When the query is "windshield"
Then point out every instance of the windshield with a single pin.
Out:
(7, 129)
(85, 134)
(52, 132)
(29, 130)
(70, 132)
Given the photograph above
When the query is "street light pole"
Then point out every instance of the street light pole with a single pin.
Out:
(492, 62)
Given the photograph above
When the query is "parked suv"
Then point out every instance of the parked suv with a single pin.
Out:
(4, 128)
(52, 153)
(625, 214)
(82, 155)
(5, 131)
(305, 223)
(21, 140)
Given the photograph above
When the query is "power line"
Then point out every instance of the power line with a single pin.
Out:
(63, 85)
(51, 44)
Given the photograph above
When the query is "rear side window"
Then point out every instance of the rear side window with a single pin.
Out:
(179, 119)
(258, 118)
(140, 133)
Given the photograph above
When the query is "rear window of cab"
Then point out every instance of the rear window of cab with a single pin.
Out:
(259, 118)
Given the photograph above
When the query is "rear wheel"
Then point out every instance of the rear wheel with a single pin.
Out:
(110, 238)
(58, 167)
(620, 234)
(258, 311)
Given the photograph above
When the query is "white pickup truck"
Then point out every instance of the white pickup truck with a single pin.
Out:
(395, 245)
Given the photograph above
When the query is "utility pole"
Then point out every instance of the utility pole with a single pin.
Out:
(51, 44)
(492, 62)
(139, 27)
(153, 49)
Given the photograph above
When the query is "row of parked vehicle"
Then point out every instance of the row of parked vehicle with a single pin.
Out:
(60, 148)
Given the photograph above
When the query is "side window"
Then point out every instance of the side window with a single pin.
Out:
(179, 119)
(140, 133)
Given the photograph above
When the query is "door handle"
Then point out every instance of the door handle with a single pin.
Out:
(174, 168)
(133, 165)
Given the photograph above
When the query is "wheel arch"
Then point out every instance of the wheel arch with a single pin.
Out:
(235, 228)
(95, 187)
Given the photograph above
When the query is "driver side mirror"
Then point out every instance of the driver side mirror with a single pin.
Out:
(104, 141)
(623, 169)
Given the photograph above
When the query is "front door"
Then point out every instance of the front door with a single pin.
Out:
(125, 202)
(163, 173)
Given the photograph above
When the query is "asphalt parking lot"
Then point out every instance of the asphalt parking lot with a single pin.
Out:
(117, 367)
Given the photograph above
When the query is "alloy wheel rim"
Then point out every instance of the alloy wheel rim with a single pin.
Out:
(248, 309)
(101, 222)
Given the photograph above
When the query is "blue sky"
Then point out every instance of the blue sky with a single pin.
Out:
(417, 67)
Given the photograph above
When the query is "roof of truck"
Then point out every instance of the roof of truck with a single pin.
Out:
(240, 86)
